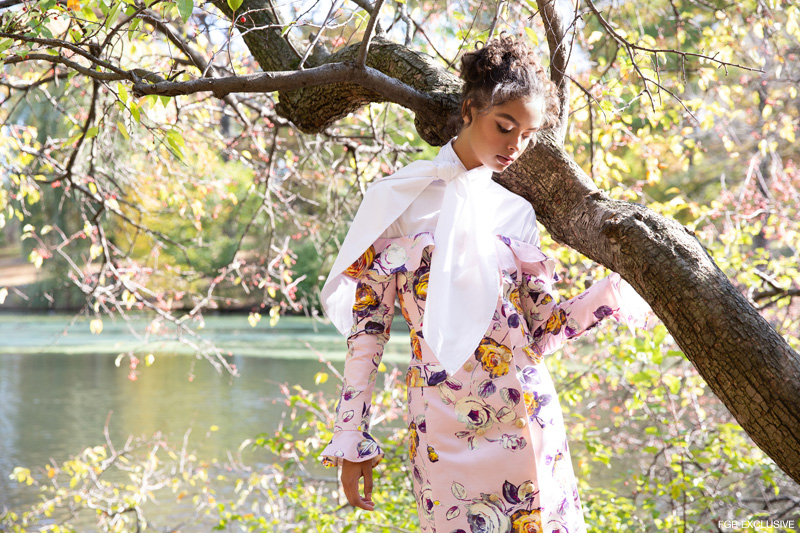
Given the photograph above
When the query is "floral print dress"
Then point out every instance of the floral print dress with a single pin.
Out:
(487, 445)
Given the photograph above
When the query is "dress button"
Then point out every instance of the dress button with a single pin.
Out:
(520, 422)
(481, 432)
(494, 497)
(507, 357)
(468, 366)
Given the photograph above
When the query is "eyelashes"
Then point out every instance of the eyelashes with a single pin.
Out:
(503, 130)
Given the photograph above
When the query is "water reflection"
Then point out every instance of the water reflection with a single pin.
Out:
(56, 392)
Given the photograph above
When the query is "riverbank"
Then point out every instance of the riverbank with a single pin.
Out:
(293, 337)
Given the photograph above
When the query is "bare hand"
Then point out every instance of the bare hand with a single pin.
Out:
(351, 473)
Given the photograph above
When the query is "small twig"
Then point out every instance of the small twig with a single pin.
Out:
(318, 35)
(361, 61)
(497, 10)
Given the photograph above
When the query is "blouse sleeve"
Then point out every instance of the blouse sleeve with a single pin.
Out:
(372, 319)
(551, 323)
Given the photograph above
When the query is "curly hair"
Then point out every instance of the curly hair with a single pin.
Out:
(505, 69)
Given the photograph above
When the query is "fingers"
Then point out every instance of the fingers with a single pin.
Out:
(366, 472)
(351, 473)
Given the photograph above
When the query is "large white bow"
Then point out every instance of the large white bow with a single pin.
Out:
(464, 280)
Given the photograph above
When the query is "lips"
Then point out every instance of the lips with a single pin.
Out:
(504, 160)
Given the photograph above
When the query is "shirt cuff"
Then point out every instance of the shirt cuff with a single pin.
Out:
(355, 446)
(633, 309)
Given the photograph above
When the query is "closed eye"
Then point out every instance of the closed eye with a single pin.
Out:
(503, 130)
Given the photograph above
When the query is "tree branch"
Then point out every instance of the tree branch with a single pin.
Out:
(390, 89)
(559, 58)
(361, 61)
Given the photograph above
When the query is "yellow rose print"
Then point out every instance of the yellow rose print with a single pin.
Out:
(416, 347)
(534, 355)
(514, 297)
(494, 357)
(413, 440)
(403, 307)
(414, 377)
(366, 298)
(432, 455)
(524, 521)
(421, 286)
(556, 321)
(362, 264)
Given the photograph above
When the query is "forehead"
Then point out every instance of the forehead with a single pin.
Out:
(527, 113)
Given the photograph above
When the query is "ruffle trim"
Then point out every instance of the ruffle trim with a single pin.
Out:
(632, 310)
(355, 446)
(387, 257)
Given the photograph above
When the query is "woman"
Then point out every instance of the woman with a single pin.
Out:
(460, 254)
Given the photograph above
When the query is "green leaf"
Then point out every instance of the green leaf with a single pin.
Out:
(235, 4)
(123, 130)
(135, 112)
(92, 132)
(185, 8)
(112, 16)
(532, 36)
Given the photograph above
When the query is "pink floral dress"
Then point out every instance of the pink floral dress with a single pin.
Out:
(487, 445)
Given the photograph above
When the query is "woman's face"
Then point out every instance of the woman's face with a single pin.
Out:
(497, 137)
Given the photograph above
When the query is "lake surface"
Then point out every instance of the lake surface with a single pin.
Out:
(59, 384)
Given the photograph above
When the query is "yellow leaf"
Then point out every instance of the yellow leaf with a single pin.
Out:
(149, 360)
(96, 326)
(320, 377)
(214, 428)
(594, 37)
(3, 294)
(253, 319)
(271, 291)
(95, 250)
(532, 35)
(36, 258)
(73, 5)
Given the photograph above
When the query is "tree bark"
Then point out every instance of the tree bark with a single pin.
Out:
(751, 368)
(747, 364)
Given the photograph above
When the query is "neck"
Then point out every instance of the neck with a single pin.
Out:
(464, 151)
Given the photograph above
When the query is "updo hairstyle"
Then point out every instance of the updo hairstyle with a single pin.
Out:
(502, 70)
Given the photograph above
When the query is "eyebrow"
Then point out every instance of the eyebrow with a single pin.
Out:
(512, 119)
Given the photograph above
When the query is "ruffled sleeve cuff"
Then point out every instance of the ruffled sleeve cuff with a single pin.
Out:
(632, 309)
(355, 446)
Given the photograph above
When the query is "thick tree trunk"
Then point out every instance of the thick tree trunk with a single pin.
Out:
(746, 363)
(751, 368)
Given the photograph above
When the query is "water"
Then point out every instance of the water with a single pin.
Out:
(57, 390)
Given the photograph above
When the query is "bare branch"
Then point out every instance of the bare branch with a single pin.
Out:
(621, 40)
(58, 43)
(361, 61)
(318, 35)
(390, 88)
(101, 76)
(493, 27)
(559, 58)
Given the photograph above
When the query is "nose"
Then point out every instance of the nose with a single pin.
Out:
(516, 143)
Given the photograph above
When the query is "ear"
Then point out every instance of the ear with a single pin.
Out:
(466, 111)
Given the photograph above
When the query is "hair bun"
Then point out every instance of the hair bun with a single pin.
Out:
(505, 69)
